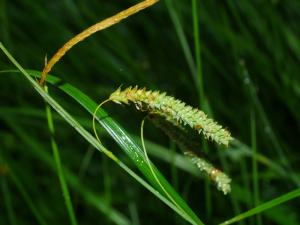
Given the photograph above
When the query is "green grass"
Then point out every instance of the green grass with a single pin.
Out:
(128, 146)
(264, 206)
(27, 199)
(234, 59)
(58, 163)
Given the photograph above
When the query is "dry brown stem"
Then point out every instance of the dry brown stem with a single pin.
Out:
(91, 30)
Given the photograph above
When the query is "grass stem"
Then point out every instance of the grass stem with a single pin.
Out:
(265, 206)
(56, 155)
(27, 198)
(255, 177)
(7, 201)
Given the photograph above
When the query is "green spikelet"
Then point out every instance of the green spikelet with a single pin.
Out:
(173, 110)
(221, 180)
(180, 136)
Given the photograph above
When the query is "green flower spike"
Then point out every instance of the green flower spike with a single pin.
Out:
(172, 110)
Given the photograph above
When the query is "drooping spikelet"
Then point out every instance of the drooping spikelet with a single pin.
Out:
(173, 110)
(181, 138)
(221, 180)
(177, 133)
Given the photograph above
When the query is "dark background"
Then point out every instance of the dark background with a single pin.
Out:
(250, 55)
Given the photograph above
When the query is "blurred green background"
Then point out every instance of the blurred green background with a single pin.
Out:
(250, 56)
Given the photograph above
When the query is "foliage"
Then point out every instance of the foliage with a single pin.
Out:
(237, 61)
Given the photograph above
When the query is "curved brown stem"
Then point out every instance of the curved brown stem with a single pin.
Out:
(91, 30)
